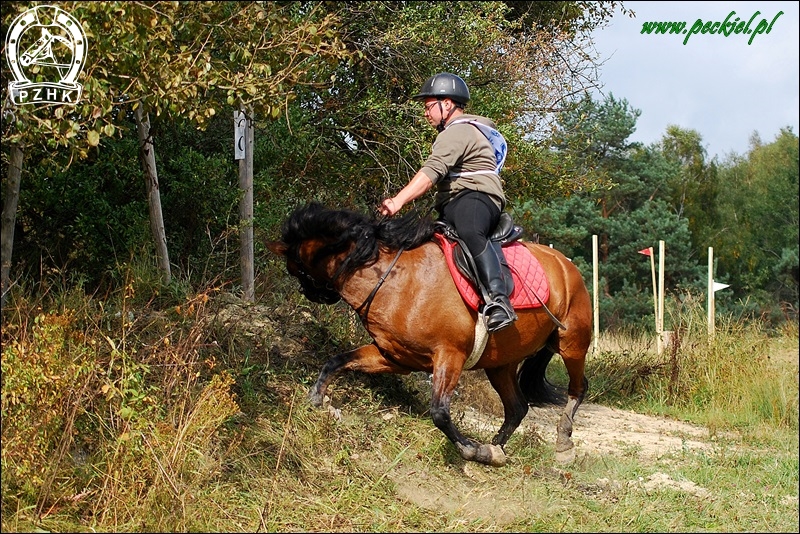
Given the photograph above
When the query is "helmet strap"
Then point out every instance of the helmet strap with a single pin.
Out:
(440, 127)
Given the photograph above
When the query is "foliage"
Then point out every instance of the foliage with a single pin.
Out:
(572, 17)
(693, 189)
(184, 59)
(356, 138)
(83, 219)
(41, 391)
(629, 213)
(668, 192)
(102, 400)
(518, 77)
(757, 236)
(725, 382)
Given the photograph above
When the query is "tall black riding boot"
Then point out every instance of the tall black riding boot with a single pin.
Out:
(498, 311)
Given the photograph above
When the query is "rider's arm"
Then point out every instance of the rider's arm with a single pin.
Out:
(416, 187)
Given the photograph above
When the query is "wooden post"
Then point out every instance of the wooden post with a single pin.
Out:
(246, 204)
(710, 307)
(655, 290)
(595, 291)
(660, 319)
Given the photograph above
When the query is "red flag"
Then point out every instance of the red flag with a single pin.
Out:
(645, 251)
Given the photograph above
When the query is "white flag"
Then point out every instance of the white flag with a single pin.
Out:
(718, 286)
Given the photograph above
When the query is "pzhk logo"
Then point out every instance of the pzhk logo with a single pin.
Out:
(53, 47)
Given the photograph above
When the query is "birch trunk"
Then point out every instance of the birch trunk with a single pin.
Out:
(148, 157)
(9, 216)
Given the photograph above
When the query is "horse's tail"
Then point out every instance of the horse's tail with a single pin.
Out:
(533, 381)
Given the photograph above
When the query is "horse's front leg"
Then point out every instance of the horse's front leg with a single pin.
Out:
(445, 379)
(367, 359)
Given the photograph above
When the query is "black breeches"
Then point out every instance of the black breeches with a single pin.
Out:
(474, 216)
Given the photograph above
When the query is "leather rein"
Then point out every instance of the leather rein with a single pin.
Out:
(367, 303)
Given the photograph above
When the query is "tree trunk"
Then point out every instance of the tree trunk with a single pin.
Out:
(148, 157)
(246, 211)
(9, 218)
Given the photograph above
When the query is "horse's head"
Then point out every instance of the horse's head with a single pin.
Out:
(312, 284)
(324, 247)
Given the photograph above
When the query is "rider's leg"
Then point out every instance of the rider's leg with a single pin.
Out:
(475, 216)
(499, 312)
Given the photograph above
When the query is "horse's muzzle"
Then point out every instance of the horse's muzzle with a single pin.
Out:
(317, 293)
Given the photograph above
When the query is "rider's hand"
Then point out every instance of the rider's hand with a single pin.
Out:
(389, 207)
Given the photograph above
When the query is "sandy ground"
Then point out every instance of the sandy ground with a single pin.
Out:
(598, 431)
(602, 430)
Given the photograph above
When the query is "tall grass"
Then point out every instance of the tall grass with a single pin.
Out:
(740, 376)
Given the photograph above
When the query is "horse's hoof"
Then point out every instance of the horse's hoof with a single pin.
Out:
(316, 398)
(492, 455)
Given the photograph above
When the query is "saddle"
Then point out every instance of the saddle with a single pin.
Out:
(531, 289)
(505, 232)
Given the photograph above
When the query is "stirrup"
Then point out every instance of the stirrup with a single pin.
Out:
(490, 309)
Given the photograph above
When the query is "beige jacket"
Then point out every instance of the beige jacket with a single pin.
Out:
(462, 158)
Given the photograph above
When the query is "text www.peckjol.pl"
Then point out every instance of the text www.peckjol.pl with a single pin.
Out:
(732, 25)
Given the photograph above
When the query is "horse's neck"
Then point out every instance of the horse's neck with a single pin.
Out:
(358, 287)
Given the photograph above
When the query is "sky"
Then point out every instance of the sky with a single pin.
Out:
(718, 85)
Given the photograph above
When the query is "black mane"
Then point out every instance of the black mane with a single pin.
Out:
(343, 227)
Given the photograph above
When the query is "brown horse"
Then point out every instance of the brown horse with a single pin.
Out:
(395, 277)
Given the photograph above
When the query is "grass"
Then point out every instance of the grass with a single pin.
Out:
(189, 413)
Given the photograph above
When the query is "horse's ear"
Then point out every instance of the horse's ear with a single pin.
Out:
(278, 247)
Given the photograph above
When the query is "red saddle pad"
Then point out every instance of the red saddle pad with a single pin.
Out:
(531, 289)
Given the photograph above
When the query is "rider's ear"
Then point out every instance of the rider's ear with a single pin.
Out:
(278, 247)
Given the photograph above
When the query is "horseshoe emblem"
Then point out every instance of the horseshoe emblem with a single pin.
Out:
(48, 42)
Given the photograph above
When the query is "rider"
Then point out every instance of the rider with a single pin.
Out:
(469, 192)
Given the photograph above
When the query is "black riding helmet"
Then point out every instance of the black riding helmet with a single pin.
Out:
(444, 85)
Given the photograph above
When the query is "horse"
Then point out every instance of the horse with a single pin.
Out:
(394, 275)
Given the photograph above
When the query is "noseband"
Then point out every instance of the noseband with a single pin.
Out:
(328, 287)
(324, 292)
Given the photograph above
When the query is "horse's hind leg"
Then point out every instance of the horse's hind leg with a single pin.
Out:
(574, 355)
(532, 379)
(538, 390)
(504, 382)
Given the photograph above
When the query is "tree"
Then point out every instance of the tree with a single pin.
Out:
(339, 73)
(757, 236)
(596, 137)
(629, 213)
(183, 59)
(693, 188)
(371, 132)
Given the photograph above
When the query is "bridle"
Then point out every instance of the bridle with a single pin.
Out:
(325, 291)
(375, 289)
(328, 287)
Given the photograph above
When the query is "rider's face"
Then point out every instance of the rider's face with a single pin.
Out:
(434, 109)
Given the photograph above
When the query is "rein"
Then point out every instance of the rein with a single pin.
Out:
(531, 291)
(375, 289)
(367, 303)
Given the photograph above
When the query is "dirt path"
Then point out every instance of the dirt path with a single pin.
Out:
(598, 431)
(602, 430)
